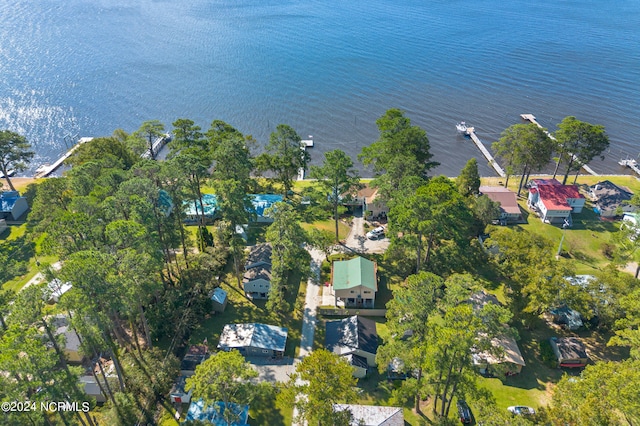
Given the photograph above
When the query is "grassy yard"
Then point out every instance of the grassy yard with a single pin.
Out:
(330, 226)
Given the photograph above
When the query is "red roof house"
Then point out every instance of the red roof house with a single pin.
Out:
(553, 201)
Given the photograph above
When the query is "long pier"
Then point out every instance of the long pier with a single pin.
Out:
(46, 170)
(304, 144)
(492, 162)
(532, 119)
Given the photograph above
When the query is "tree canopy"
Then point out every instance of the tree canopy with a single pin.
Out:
(15, 154)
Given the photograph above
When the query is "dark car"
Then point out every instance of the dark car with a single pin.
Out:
(464, 411)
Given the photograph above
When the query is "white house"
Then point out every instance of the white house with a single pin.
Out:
(553, 201)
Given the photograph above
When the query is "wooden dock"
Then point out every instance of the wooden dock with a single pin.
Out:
(532, 119)
(157, 145)
(492, 162)
(46, 170)
(632, 164)
(304, 144)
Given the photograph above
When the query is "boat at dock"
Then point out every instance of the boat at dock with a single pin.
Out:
(462, 127)
(10, 173)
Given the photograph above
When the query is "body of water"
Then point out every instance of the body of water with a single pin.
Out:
(328, 68)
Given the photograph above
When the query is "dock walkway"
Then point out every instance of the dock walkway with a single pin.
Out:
(46, 170)
(492, 162)
(532, 119)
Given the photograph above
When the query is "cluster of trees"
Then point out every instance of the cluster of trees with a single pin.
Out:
(527, 148)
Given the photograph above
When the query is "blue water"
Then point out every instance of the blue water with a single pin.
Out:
(328, 68)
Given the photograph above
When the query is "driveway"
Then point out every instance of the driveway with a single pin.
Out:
(311, 303)
(270, 370)
(357, 240)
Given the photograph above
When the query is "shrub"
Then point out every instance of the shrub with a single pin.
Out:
(547, 355)
(608, 250)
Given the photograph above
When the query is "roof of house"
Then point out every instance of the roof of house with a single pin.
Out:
(373, 415)
(356, 360)
(179, 385)
(508, 199)
(609, 196)
(195, 355)
(61, 325)
(511, 352)
(219, 295)
(213, 413)
(261, 202)
(259, 254)
(8, 199)
(568, 316)
(348, 334)
(632, 217)
(480, 299)
(209, 202)
(554, 197)
(253, 335)
(570, 347)
(353, 273)
(257, 273)
(56, 288)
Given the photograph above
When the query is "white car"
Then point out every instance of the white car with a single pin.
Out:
(376, 233)
(521, 410)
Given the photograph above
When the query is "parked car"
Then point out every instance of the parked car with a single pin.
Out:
(376, 233)
(521, 410)
(464, 411)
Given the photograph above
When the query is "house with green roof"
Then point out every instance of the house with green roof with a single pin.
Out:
(355, 282)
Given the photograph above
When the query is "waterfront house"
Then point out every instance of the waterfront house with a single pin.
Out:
(554, 202)
(368, 198)
(570, 352)
(373, 415)
(356, 339)
(254, 339)
(610, 199)
(355, 282)
(12, 205)
(508, 200)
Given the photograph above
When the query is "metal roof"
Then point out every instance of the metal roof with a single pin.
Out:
(353, 273)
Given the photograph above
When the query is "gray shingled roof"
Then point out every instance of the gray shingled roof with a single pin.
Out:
(346, 335)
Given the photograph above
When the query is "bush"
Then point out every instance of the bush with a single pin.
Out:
(547, 355)
(608, 250)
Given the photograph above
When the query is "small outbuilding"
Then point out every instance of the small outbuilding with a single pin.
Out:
(12, 205)
(510, 359)
(218, 300)
(570, 352)
(254, 339)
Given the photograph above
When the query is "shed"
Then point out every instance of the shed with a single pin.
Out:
(214, 413)
(254, 339)
(218, 300)
(569, 351)
(511, 358)
(12, 205)
(373, 415)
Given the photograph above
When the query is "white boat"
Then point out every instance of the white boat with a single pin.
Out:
(9, 172)
(461, 127)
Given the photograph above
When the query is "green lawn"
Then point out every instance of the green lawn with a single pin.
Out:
(329, 225)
